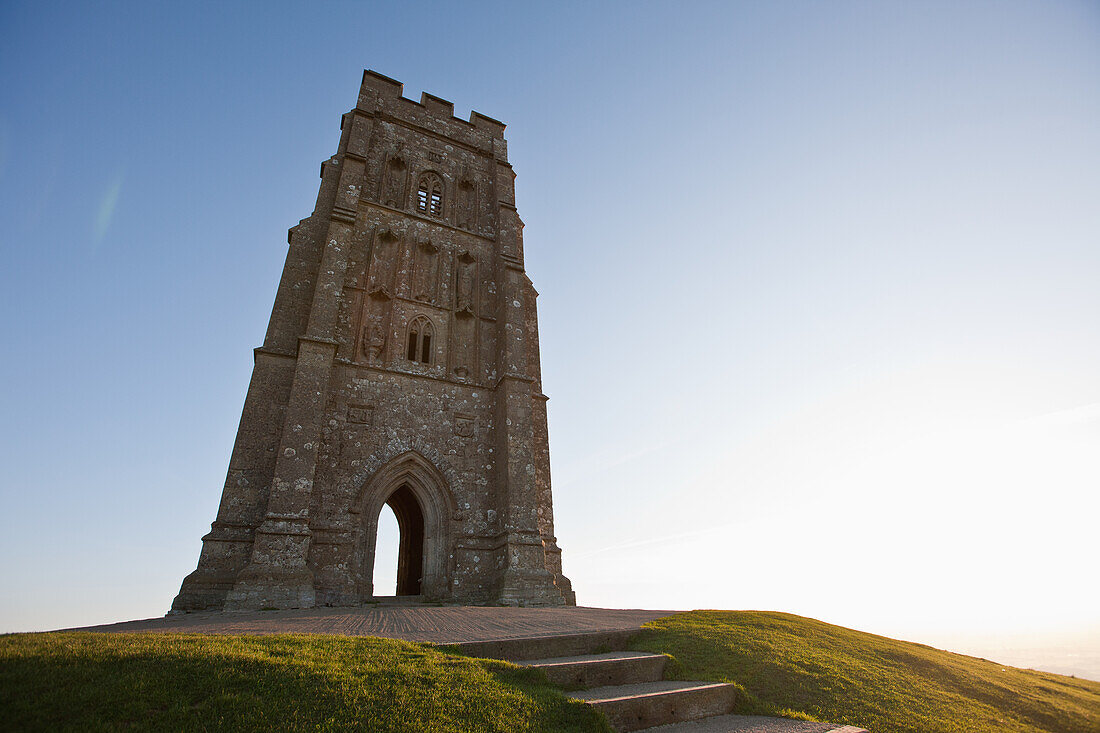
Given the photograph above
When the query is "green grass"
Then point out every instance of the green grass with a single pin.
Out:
(797, 667)
(785, 665)
(191, 682)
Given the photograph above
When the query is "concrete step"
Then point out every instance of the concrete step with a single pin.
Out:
(542, 647)
(602, 670)
(751, 724)
(647, 704)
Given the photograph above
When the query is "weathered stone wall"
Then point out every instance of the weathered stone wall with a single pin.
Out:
(402, 351)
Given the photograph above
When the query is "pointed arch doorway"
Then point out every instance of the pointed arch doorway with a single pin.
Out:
(417, 494)
(410, 547)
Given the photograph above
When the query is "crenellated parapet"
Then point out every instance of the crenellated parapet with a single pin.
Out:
(418, 158)
(380, 94)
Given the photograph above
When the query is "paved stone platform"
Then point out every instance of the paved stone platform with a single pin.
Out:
(439, 624)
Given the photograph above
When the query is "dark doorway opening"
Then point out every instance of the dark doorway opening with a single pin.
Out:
(410, 552)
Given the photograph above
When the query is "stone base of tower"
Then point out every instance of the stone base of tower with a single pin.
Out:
(530, 588)
(566, 589)
(277, 576)
(553, 565)
(226, 549)
(527, 581)
(261, 587)
(203, 591)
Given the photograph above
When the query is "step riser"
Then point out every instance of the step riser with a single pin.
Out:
(569, 645)
(636, 713)
(388, 601)
(606, 673)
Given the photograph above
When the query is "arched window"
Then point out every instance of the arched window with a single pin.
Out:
(429, 195)
(420, 340)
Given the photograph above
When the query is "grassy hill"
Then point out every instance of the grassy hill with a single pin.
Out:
(189, 682)
(798, 667)
(786, 665)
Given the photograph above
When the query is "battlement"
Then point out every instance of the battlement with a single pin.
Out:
(390, 92)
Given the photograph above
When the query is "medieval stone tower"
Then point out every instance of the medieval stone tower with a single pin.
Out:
(400, 367)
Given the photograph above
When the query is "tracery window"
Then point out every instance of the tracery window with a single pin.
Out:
(429, 195)
(420, 340)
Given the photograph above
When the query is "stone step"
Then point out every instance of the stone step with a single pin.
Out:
(751, 724)
(647, 704)
(398, 600)
(602, 670)
(541, 647)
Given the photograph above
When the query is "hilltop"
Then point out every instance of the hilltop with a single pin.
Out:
(783, 664)
(798, 667)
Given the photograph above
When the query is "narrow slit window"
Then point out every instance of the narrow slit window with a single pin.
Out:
(413, 344)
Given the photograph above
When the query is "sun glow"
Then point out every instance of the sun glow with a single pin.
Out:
(881, 509)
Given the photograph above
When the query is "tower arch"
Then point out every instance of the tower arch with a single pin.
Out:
(423, 503)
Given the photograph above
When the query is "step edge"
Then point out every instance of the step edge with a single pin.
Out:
(647, 658)
(657, 693)
(568, 635)
(665, 726)
(517, 648)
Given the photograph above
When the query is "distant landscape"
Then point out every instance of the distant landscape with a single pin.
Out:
(1075, 660)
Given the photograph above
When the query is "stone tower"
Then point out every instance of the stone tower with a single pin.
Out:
(400, 367)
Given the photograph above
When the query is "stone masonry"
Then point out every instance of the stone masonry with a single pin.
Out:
(400, 367)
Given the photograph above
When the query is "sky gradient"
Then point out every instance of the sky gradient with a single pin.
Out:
(819, 311)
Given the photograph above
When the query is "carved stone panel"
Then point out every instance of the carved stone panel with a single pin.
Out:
(375, 327)
(359, 414)
(466, 205)
(426, 271)
(464, 345)
(395, 180)
(465, 283)
(406, 262)
(464, 425)
(383, 262)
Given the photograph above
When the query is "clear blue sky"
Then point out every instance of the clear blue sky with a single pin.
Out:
(820, 311)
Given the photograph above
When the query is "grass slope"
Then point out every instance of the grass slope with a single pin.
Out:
(190, 682)
(798, 667)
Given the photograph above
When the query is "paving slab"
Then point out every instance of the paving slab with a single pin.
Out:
(438, 624)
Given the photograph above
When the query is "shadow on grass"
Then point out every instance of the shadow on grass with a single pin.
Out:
(162, 682)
